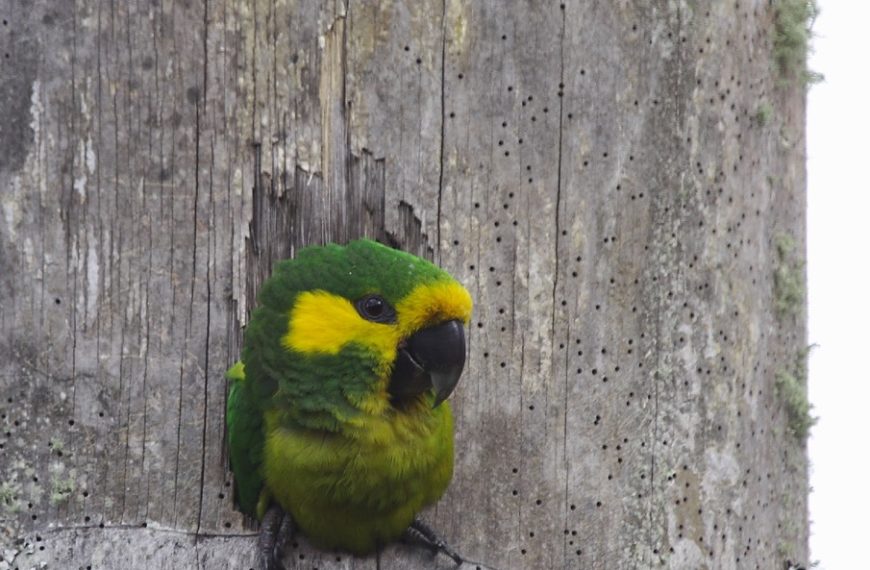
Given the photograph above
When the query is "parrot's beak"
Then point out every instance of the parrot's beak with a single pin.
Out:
(431, 358)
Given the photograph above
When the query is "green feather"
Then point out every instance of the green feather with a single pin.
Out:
(245, 430)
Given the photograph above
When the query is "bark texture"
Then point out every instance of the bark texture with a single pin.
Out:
(599, 174)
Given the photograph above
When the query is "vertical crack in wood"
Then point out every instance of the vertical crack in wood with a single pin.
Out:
(204, 98)
(73, 129)
(270, 230)
(556, 273)
(254, 113)
(443, 127)
(335, 141)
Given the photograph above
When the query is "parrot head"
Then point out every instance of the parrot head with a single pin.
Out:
(341, 331)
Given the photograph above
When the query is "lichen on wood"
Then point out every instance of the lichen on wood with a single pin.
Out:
(788, 277)
(791, 387)
(792, 39)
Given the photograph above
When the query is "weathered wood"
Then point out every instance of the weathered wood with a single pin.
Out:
(594, 172)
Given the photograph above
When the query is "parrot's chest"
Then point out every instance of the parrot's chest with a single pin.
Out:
(361, 490)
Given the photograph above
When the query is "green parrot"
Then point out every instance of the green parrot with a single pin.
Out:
(336, 412)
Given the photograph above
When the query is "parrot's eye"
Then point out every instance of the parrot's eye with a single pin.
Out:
(375, 308)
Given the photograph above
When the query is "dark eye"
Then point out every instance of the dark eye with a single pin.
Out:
(375, 308)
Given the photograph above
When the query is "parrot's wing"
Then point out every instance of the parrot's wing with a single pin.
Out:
(245, 431)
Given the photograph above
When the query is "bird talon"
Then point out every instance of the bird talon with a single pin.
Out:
(273, 562)
(269, 543)
(423, 532)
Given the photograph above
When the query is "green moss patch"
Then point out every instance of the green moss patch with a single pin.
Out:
(788, 278)
(61, 489)
(763, 114)
(791, 42)
(791, 387)
(9, 501)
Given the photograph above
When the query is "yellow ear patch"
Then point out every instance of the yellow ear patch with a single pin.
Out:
(325, 323)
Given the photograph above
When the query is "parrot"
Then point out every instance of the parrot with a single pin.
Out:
(336, 413)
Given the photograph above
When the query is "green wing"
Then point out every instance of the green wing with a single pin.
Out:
(245, 430)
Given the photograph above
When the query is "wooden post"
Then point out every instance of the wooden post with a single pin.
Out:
(620, 185)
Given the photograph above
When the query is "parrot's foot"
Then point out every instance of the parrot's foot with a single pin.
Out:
(422, 532)
(268, 544)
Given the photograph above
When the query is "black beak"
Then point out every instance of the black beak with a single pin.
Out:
(431, 358)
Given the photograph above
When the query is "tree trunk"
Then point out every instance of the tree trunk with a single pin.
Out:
(619, 184)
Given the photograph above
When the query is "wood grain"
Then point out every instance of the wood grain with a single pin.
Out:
(594, 172)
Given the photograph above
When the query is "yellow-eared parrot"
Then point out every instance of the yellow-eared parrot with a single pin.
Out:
(336, 412)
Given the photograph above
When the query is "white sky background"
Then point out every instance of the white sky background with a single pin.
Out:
(838, 151)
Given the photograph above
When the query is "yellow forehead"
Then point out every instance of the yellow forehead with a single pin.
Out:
(433, 303)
